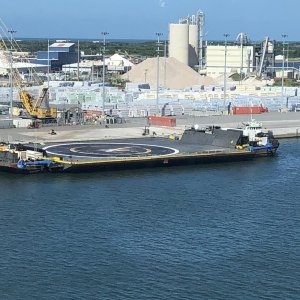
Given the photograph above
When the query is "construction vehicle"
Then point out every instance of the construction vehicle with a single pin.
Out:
(36, 107)
(35, 124)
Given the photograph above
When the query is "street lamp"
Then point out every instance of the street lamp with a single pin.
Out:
(104, 33)
(284, 36)
(242, 38)
(48, 67)
(11, 32)
(78, 59)
(226, 35)
(158, 34)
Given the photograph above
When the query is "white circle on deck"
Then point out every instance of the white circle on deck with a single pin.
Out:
(75, 150)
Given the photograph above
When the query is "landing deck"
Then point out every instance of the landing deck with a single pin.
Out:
(128, 148)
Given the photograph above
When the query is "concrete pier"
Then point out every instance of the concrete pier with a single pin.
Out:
(283, 125)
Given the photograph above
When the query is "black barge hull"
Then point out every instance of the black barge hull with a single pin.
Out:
(195, 147)
(125, 164)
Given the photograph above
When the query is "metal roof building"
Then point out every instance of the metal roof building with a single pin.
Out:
(23, 67)
(115, 63)
(59, 54)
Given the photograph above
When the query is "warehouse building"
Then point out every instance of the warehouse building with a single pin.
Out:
(116, 63)
(23, 67)
(59, 54)
(238, 59)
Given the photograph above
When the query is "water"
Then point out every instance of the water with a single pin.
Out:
(221, 231)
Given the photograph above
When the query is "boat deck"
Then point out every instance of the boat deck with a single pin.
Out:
(128, 149)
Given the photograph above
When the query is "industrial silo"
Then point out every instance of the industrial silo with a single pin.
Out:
(193, 45)
(179, 42)
(270, 47)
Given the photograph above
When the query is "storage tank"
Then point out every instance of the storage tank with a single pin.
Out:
(179, 42)
(193, 45)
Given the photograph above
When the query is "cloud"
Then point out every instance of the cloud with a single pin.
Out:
(162, 3)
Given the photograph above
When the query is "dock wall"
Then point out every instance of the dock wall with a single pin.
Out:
(282, 133)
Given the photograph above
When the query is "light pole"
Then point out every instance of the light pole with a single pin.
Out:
(48, 68)
(165, 64)
(104, 33)
(242, 37)
(78, 59)
(158, 34)
(11, 32)
(284, 36)
(226, 35)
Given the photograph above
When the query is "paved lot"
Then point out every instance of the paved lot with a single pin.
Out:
(281, 123)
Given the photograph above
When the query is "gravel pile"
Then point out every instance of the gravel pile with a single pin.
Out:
(172, 74)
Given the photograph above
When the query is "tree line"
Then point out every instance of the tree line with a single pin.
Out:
(143, 48)
(137, 48)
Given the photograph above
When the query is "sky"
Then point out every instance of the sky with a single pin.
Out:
(142, 19)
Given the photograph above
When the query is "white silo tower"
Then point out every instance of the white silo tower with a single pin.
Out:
(186, 40)
(270, 47)
(193, 44)
(179, 42)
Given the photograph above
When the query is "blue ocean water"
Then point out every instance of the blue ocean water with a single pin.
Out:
(219, 231)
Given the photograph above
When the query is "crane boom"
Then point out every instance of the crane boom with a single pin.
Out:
(33, 105)
(36, 107)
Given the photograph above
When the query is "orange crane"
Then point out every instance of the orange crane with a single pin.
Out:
(36, 107)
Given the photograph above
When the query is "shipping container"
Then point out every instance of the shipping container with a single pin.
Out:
(162, 121)
(22, 123)
(245, 110)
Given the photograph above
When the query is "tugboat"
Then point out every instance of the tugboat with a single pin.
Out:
(250, 137)
(257, 140)
(17, 158)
